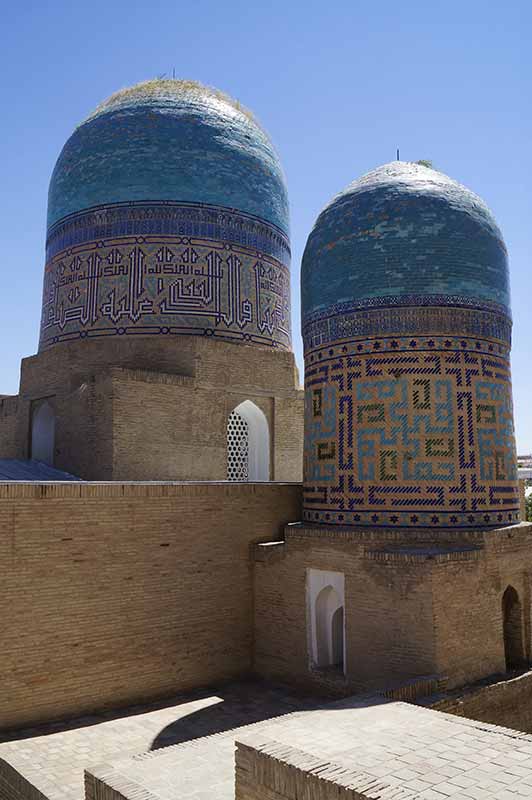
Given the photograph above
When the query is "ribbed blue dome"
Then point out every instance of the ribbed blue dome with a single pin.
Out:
(169, 141)
(408, 233)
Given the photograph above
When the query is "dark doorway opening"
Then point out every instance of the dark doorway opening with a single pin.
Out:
(512, 620)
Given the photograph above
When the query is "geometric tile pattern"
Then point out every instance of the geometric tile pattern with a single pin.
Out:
(163, 269)
(409, 315)
(410, 431)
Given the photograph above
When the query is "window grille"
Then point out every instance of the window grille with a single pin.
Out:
(237, 448)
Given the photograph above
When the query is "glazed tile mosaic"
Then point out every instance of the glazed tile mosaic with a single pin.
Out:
(407, 331)
(186, 270)
(410, 432)
(168, 214)
(404, 231)
(169, 140)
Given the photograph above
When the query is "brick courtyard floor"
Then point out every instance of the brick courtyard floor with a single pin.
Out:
(53, 757)
(416, 752)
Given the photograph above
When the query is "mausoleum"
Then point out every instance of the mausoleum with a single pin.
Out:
(177, 515)
(165, 348)
(406, 321)
(408, 562)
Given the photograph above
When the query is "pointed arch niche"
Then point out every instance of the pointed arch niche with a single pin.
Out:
(248, 444)
(325, 615)
(43, 432)
(512, 621)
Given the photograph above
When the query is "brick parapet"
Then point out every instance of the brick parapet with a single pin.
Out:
(265, 769)
(104, 489)
(14, 786)
(410, 691)
(468, 540)
(506, 704)
(104, 782)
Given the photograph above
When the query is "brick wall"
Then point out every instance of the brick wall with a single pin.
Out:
(14, 786)
(504, 702)
(145, 410)
(120, 593)
(169, 426)
(388, 611)
(468, 605)
(8, 427)
(423, 604)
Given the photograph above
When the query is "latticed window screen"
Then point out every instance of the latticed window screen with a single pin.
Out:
(237, 448)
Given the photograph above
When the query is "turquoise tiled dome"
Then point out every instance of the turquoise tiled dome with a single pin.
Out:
(404, 234)
(168, 216)
(406, 333)
(169, 140)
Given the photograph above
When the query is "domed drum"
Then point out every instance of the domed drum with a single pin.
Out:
(167, 214)
(406, 326)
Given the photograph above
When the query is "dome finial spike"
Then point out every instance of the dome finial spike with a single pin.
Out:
(398, 159)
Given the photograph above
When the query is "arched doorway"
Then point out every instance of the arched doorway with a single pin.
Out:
(248, 444)
(329, 629)
(43, 433)
(512, 620)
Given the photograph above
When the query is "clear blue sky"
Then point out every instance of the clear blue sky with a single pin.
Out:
(338, 85)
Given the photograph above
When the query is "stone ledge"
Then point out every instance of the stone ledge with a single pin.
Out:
(269, 551)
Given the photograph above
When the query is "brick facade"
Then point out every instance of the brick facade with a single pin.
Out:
(120, 593)
(415, 606)
(8, 426)
(142, 410)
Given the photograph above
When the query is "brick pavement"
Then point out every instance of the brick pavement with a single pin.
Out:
(427, 754)
(412, 752)
(53, 757)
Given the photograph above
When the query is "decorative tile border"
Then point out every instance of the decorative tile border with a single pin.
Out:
(152, 283)
(413, 318)
(168, 219)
